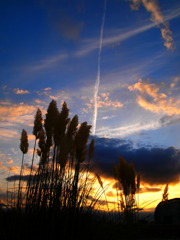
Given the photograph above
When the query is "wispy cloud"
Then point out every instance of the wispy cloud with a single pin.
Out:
(91, 45)
(47, 89)
(15, 110)
(47, 62)
(107, 117)
(5, 158)
(39, 101)
(103, 101)
(12, 116)
(120, 35)
(169, 120)
(98, 78)
(175, 82)
(129, 129)
(158, 18)
(8, 134)
(52, 94)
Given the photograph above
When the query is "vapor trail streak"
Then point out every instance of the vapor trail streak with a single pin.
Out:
(98, 78)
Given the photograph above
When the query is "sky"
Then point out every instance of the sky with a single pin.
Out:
(115, 63)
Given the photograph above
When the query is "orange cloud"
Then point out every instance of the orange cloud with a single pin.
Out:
(15, 169)
(10, 161)
(115, 104)
(5, 157)
(31, 137)
(38, 101)
(47, 89)
(175, 82)
(160, 102)
(105, 95)
(158, 18)
(152, 7)
(20, 91)
(7, 133)
(150, 89)
(1, 165)
(103, 101)
(170, 107)
(16, 112)
(12, 115)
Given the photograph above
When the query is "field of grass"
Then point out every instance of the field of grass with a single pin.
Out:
(58, 199)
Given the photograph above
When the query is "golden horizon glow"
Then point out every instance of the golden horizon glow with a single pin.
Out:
(147, 201)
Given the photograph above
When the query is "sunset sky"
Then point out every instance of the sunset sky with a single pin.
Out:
(115, 63)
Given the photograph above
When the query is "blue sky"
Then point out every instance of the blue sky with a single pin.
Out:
(50, 49)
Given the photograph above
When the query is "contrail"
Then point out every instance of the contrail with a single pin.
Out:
(96, 88)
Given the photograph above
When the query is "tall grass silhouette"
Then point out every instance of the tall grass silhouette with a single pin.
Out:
(59, 190)
(57, 199)
(129, 183)
(24, 148)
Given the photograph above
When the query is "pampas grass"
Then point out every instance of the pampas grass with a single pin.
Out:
(58, 194)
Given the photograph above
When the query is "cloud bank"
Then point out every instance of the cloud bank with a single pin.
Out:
(156, 165)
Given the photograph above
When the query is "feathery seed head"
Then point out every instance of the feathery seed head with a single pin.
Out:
(24, 142)
(37, 123)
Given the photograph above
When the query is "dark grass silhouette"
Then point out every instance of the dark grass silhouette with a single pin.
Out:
(56, 199)
(57, 202)
(129, 182)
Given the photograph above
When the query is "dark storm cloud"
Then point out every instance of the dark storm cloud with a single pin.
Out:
(17, 178)
(156, 165)
(24, 178)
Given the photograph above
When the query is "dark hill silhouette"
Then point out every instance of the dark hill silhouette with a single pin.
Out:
(168, 212)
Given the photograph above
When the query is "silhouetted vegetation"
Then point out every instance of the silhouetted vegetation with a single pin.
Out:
(165, 193)
(57, 199)
(125, 174)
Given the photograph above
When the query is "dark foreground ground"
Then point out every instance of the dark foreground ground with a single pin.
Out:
(49, 226)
